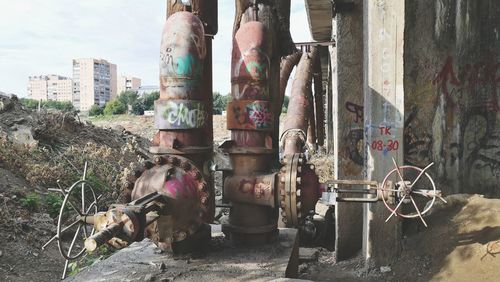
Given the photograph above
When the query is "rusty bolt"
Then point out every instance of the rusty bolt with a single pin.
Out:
(198, 175)
(299, 180)
(297, 192)
(159, 160)
(202, 186)
(312, 167)
(299, 204)
(186, 166)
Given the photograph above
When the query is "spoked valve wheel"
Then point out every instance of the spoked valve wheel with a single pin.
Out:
(405, 192)
(78, 208)
(80, 203)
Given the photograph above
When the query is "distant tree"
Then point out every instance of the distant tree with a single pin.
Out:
(95, 110)
(149, 100)
(138, 107)
(220, 102)
(286, 100)
(65, 106)
(128, 98)
(114, 107)
(29, 103)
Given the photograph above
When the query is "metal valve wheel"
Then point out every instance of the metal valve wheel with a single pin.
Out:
(405, 192)
(79, 202)
(77, 209)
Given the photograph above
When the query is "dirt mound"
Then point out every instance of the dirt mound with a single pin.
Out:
(40, 150)
(462, 243)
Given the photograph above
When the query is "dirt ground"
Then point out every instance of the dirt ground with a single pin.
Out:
(23, 234)
(462, 242)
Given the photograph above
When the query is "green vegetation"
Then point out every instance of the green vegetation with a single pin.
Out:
(95, 110)
(33, 104)
(127, 102)
(31, 202)
(114, 107)
(53, 203)
(102, 253)
(220, 102)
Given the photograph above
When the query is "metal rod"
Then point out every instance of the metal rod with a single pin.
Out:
(62, 231)
(418, 211)
(397, 207)
(316, 43)
(357, 200)
(352, 182)
(421, 173)
(399, 172)
(357, 191)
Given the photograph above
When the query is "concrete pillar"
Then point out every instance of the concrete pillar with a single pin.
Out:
(384, 119)
(348, 124)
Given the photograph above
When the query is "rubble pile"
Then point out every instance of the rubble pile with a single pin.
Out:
(41, 150)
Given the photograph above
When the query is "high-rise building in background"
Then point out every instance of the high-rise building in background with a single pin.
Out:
(50, 87)
(94, 82)
(126, 83)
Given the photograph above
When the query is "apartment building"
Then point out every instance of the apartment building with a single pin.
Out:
(94, 82)
(50, 87)
(126, 83)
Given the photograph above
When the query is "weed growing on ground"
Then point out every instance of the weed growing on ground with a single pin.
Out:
(31, 202)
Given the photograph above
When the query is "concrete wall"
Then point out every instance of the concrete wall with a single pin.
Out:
(451, 85)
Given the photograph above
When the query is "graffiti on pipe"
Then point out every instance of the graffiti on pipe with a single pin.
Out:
(180, 114)
(242, 114)
(257, 188)
(250, 75)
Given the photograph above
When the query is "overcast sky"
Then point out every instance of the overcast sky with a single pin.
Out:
(43, 36)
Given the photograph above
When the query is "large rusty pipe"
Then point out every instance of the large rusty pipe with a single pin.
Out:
(299, 107)
(183, 111)
(250, 117)
(287, 65)
(319, 108)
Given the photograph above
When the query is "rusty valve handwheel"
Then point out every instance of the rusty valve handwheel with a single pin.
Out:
(80, 203)
(405, 192)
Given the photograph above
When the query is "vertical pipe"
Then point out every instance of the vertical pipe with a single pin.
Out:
(318, 101)
(184, 109)
(250, 117)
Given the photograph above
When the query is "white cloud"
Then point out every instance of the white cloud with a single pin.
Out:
(43, 36)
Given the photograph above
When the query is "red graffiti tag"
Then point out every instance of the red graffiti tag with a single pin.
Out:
(475, 81)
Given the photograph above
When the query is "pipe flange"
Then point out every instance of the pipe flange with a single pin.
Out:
(290, 189)
(184, 164)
